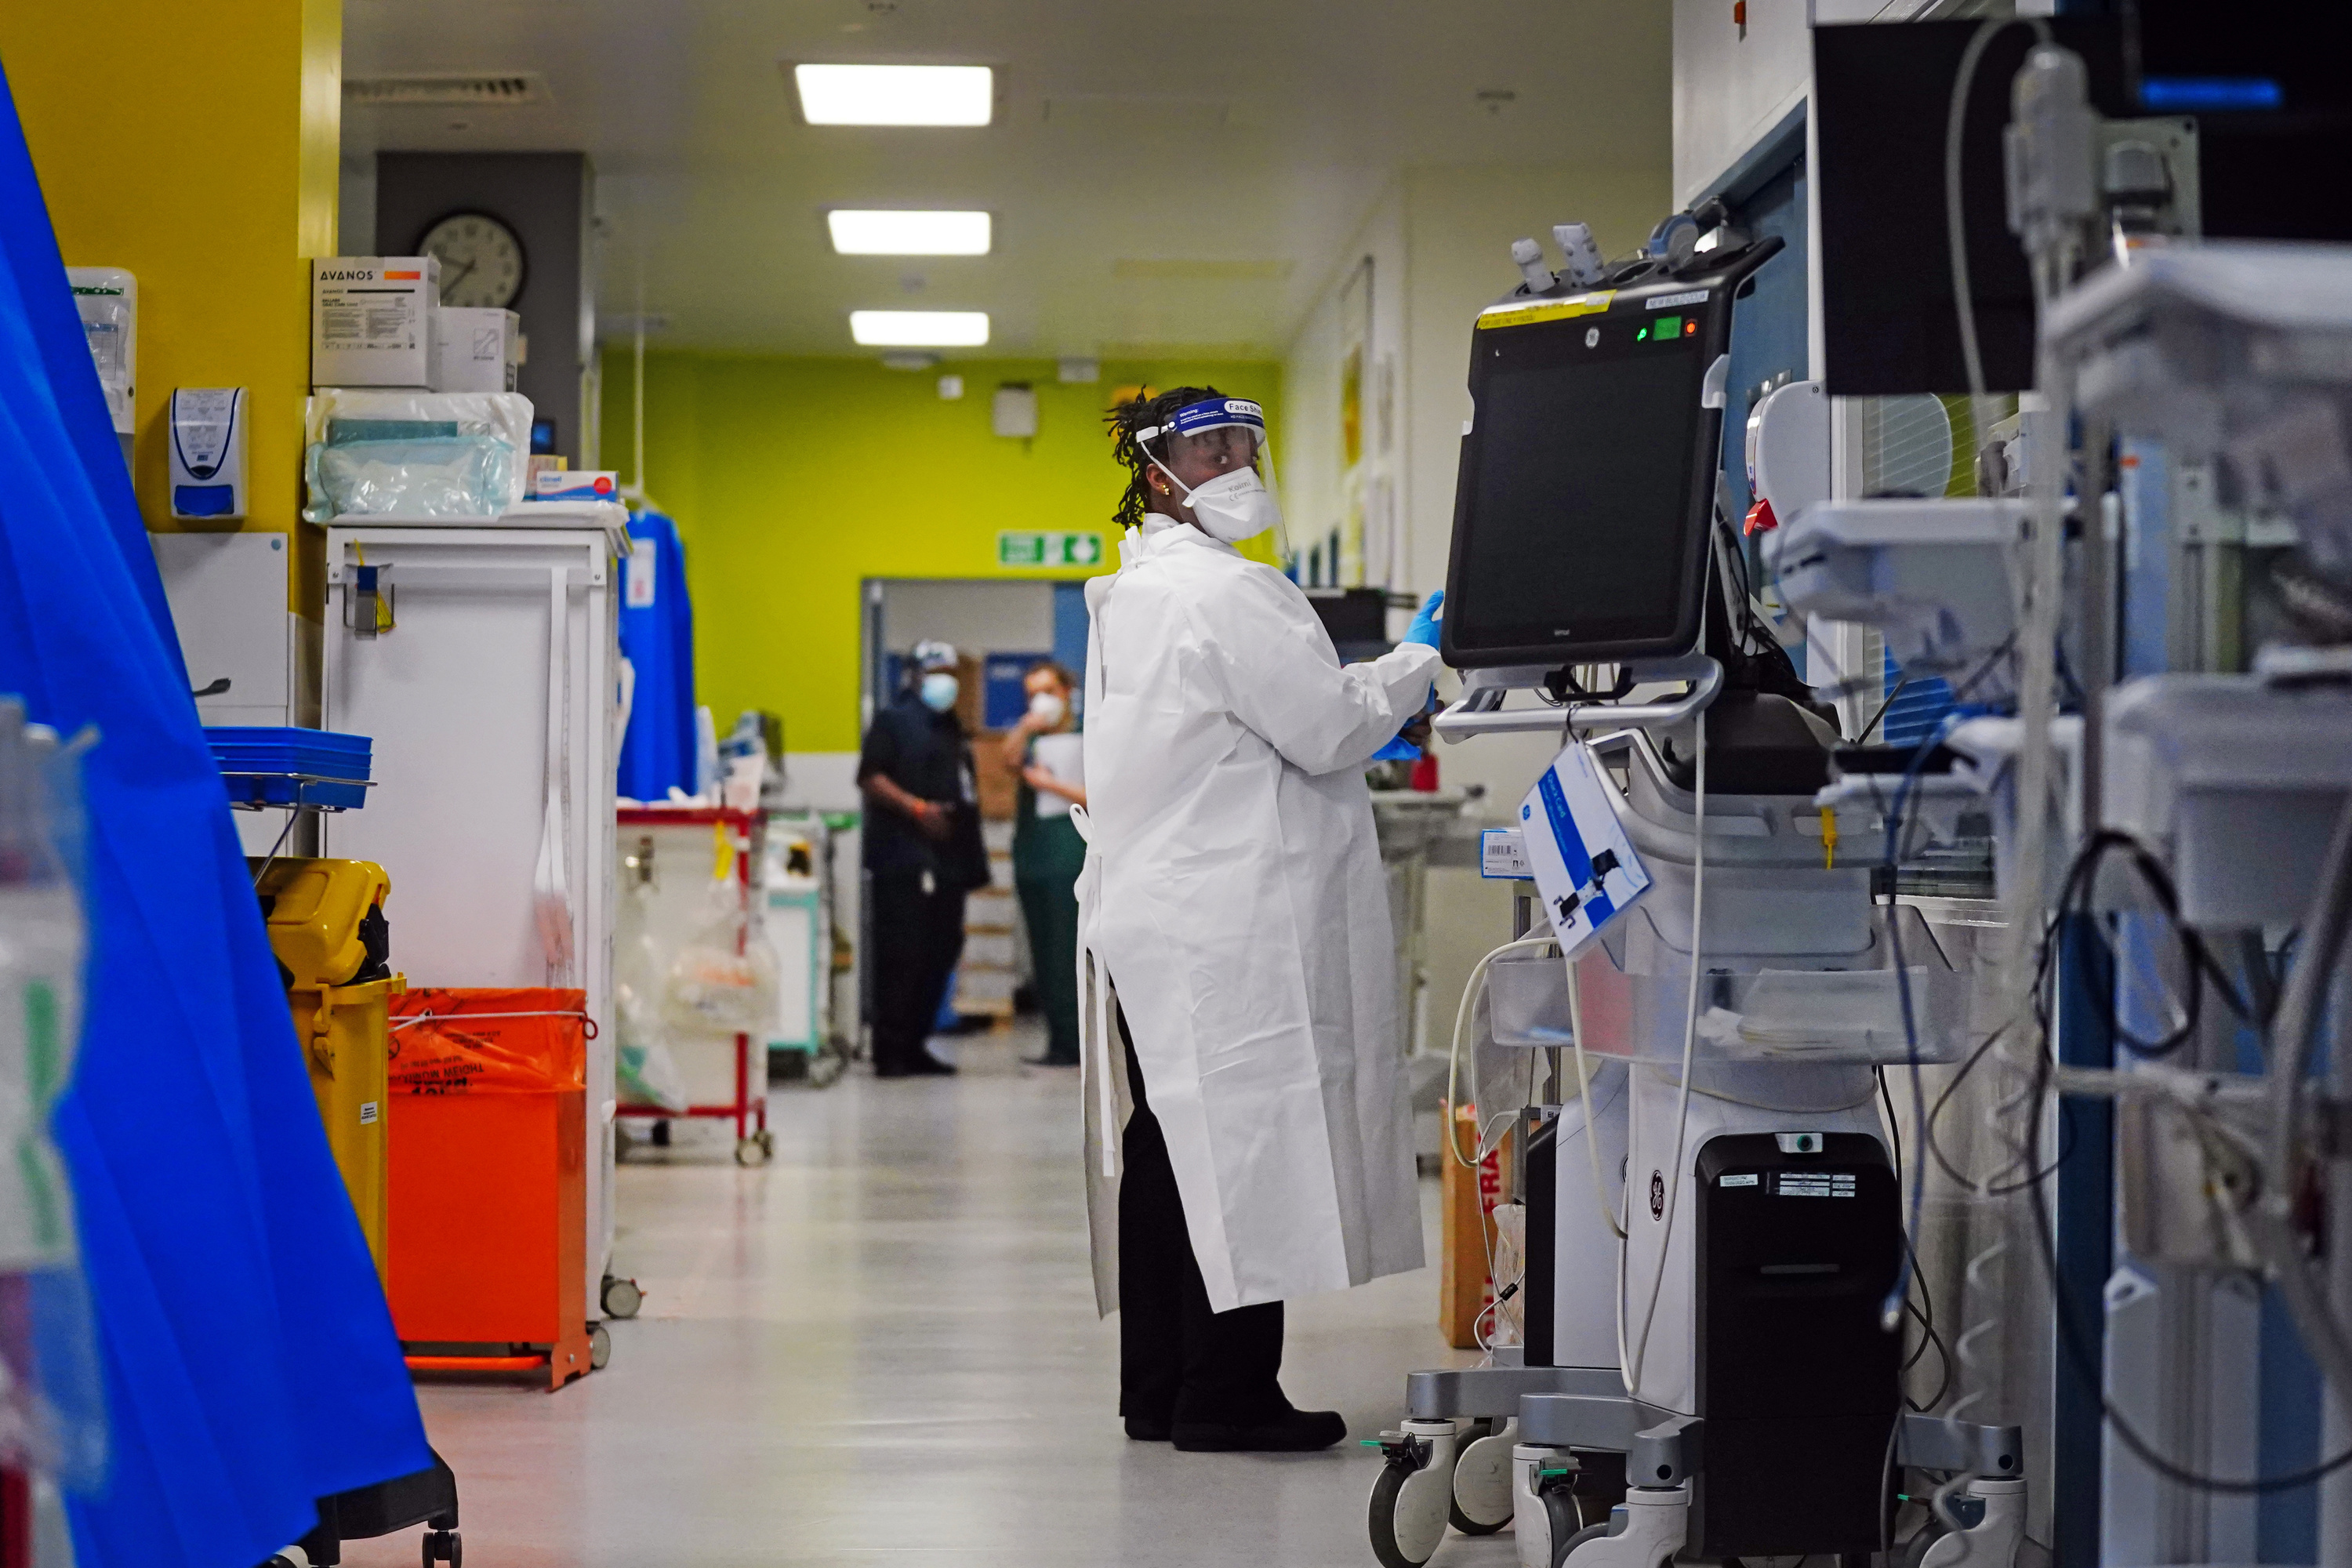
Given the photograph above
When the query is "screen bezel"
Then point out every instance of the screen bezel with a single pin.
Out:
(1714, 340)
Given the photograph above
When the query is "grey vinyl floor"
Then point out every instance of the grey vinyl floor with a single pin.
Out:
(882, 1349)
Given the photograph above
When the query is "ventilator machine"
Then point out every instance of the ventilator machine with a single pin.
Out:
(1742, 1329)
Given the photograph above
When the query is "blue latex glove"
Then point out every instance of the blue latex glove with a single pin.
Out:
(1424, 629)
(1399, 749)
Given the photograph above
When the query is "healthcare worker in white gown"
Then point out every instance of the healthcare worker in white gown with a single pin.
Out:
(1250, 1138)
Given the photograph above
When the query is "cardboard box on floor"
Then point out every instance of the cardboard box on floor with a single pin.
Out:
(1465, 1290)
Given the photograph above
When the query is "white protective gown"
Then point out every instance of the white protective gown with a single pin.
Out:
(1234, 895)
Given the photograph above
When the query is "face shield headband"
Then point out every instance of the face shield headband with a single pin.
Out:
(1240, 503)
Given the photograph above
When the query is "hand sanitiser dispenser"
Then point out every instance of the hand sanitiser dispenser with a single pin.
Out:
(208, 443)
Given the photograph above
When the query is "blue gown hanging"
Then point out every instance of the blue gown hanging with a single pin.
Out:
(249, 1360)
(658, 639)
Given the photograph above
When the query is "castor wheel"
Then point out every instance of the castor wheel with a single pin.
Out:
(600, 1346)
(767, 1144)
(1481, 1503)
(1413, 1495)
(444, 1546)
(752, 1151)
(621, 1298)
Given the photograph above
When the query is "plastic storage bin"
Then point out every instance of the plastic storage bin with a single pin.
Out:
(488, 1211)
(274, 766)
(325, 920)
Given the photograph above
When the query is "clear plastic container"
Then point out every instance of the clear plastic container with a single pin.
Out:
(1526, 1001)
(1831, 1008)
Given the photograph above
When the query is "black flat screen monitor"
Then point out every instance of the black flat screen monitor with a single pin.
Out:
(1587, 484)
(1882, 95)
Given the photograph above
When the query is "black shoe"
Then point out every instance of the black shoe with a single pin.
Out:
(929, 1065)
(1144, 1429)
(1294, 1432)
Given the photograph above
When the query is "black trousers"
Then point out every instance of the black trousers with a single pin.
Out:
(1177, 1360)
(918, 937)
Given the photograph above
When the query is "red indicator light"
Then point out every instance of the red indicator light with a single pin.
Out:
(1689, 327)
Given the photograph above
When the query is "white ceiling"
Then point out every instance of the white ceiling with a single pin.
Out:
(1163, 176)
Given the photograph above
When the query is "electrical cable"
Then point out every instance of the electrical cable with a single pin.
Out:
(1631, 1370)
(1584, 1089)
(1900, 683)
(2302, 1012)
(1955, 217)
(1461, 1015)
(1924, 1309)
(2089, 1368)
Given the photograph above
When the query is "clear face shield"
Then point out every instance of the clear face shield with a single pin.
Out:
(1225, 436)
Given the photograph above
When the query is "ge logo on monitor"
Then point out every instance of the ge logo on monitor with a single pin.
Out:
(1591, 337)
(1657, 1194)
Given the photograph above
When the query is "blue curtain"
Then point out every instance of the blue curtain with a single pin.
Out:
(658, 639)
(249, 1360)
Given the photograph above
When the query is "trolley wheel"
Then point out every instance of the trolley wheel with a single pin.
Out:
(444, 1546)
(1484, 1474)
(1563, 1520)
(600, 1347)
(767, 1142)
(1407, 1519)
(622, 1297)
(748, 1152)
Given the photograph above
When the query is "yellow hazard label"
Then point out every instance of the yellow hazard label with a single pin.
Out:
(1547, 310)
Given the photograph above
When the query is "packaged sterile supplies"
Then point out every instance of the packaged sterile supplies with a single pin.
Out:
(579, 484)
(371, 320)
(415, 454)
(476, 349)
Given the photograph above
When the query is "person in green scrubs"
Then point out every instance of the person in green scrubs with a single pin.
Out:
(1047, 852)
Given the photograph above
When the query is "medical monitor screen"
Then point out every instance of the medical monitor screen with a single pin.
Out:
(1582, 508)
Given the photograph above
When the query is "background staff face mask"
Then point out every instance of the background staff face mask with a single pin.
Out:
(1237, 504)
(939, 691)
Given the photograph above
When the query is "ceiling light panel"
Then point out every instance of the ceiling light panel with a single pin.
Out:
(920, 329)
(896, 95)
(868, 233)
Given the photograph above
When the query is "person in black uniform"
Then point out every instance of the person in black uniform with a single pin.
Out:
(923, 853)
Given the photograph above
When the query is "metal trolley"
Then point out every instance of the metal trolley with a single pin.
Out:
(743, 833)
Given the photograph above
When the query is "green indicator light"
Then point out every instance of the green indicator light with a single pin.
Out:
(1641, 334)
(1670, 326)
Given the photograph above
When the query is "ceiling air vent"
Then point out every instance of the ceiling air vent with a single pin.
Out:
(443, 89)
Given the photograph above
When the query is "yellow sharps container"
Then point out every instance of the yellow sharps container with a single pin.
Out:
(327, 926)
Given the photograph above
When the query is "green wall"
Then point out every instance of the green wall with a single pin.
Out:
(795, 479)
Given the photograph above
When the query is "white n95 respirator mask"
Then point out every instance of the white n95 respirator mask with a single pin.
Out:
(1233, 506)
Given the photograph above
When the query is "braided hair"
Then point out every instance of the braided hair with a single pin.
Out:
(1142, 411)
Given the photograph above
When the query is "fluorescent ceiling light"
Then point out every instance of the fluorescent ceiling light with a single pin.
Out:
(856, 233)
(920, 329)
(896, 95)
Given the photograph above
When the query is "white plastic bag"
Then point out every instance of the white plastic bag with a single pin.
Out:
(719, 982)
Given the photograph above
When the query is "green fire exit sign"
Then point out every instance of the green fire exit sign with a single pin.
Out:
(1015, 549)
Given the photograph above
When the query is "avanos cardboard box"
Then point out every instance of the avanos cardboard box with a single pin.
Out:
(373, 320)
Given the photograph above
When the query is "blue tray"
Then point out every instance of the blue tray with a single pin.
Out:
(288, 766)
(322, 753)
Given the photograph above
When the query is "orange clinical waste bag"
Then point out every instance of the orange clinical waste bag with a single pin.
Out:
(488, 1178)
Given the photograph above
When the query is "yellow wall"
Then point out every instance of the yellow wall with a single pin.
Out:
(795, 479)
(197, 146)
